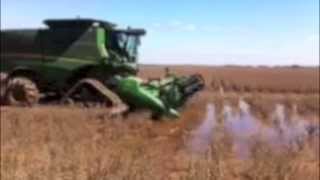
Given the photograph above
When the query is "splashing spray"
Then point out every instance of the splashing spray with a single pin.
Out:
(286, 132)
(203, 135)
(242, 127)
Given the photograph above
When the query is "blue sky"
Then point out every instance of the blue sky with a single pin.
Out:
(246, 32)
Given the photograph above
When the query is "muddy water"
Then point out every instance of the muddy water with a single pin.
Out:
(285, 131)
(243, 127)
(202, 136)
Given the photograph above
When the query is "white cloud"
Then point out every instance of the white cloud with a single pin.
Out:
(190, 27)
(313, 38)
(174, 25)
(180, 26)
(211, 28)
(156, 25)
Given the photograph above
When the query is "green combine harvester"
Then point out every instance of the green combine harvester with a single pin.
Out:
(86, 61)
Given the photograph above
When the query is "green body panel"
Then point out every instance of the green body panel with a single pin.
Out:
(82, 47)
(162, 96)
(144, 96)
(132, 90)
(58, 52)
(57, 70)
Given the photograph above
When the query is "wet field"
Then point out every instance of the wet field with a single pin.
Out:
(245, 129)
(216, 137)
(248, 123)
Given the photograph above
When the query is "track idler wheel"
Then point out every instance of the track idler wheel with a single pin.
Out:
(93, 91)
(3, 87)
(21, 91)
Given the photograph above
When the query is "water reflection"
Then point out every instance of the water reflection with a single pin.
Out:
(245, 128)
(242, 126)
(203, 135)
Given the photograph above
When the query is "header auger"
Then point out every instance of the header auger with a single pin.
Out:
(87, 61)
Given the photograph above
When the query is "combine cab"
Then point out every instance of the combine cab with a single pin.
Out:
(87, 61)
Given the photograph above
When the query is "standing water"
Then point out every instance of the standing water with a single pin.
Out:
(285, 131)
(242, 126)
(203, 135)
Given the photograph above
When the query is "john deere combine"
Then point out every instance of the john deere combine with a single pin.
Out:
(87, 61)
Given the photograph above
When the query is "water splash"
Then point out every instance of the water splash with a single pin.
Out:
(203, 135)
(242, 127)
(227, 113)
(289, 132)
(283, 132)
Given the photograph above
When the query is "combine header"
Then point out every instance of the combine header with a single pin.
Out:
(87, 61)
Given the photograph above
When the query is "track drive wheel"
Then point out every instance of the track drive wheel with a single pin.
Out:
(90, 90)
(3, 86)
(22, 91)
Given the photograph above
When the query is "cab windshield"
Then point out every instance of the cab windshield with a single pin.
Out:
(125, 44)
